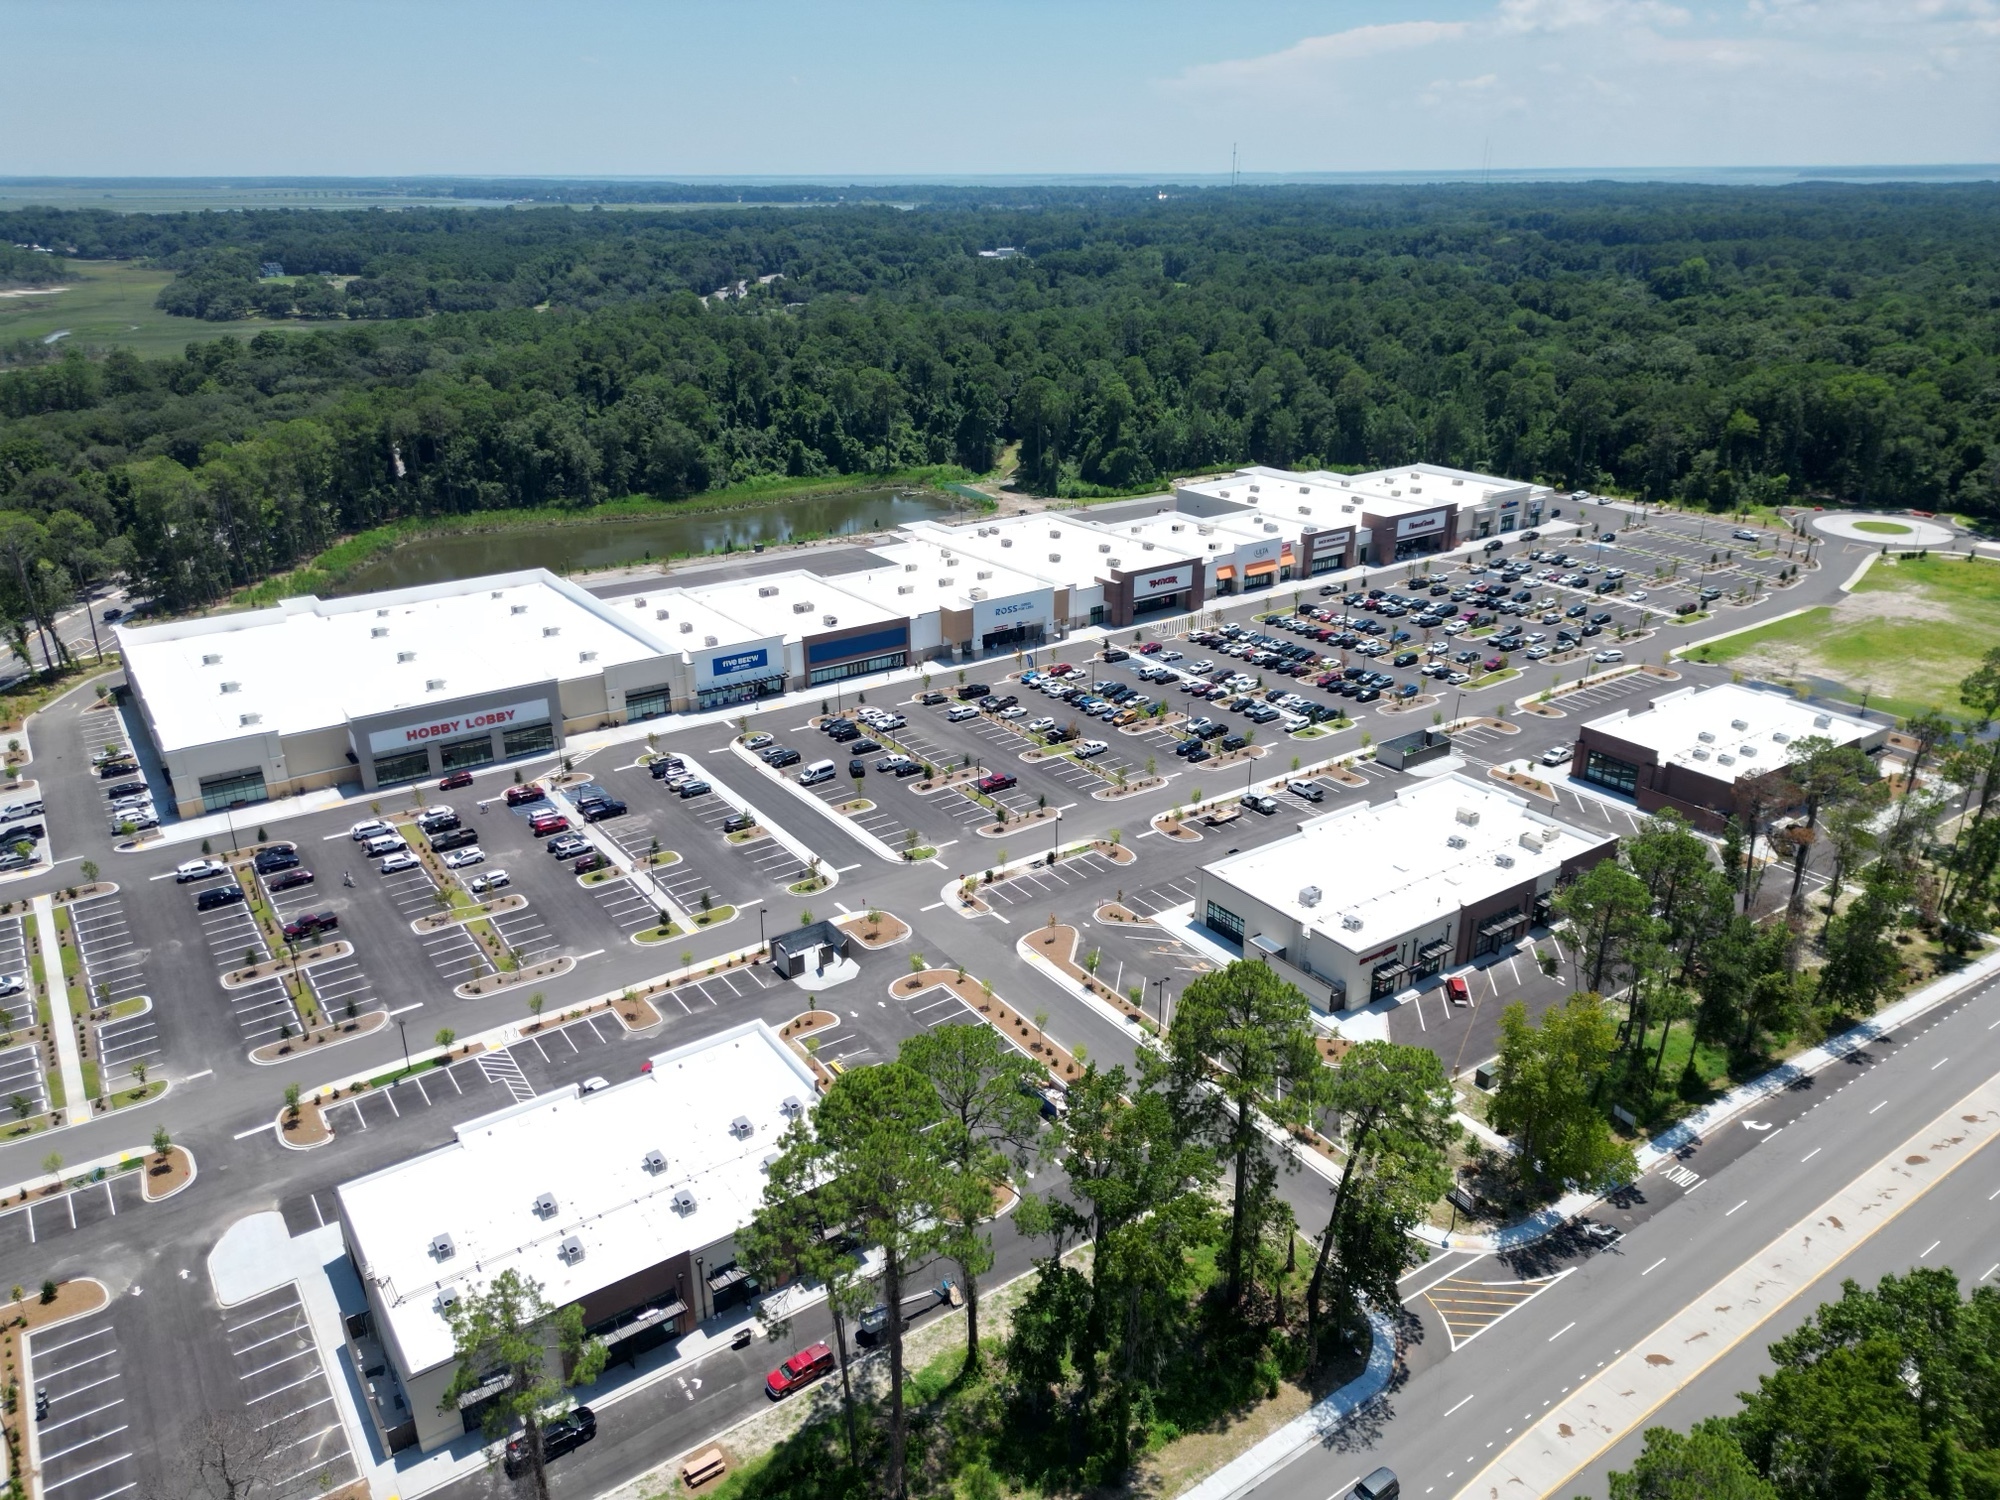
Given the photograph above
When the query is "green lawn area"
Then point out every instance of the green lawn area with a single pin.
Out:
(111, 303)
(1885, 528)
(1905, 637)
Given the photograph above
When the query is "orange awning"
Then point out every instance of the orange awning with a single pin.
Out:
(1227, 570)
(1263, 567)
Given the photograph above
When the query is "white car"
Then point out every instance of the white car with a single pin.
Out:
(960, 714)
(458, 859)
(492, 880)
(1170, 656)
(756, 741)
(369, 828)
(1291, 723)
(13, 984)
(1087, 748)
(395, 864)
(436, 814)
(199, 869)
(30, 809)
(1455, 627)
(1557, 755)
(1636, 595)
(135, 819)
(592, 1084)
(1613, 654)
(1201, 667)
(887, 721)
(1037, 726)
(1013, 713)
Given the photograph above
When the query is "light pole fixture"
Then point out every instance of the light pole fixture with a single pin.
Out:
(406, 1043)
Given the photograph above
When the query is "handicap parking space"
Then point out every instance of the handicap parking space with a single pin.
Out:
(90, 1438)
(287, 1393)
(22, 1081)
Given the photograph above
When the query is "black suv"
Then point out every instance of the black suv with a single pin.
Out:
(781, 755)
(269, 860)
(221, 895)
(453, 838)
(571, 1430)
(968, 691)
(600, 809)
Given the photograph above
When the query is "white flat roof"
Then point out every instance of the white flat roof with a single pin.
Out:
(944, 577)
(1436, 476)
(1072, 554)
(314, 663)
(1413, 487)
(1392, 867)
(793, 604)
(588, 1151)
(1698, 727)
(685, 622)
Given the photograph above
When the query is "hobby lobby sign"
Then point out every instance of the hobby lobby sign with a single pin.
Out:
(477, 722)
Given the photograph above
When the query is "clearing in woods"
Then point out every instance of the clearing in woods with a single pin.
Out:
(107, 304)
(1905, 636)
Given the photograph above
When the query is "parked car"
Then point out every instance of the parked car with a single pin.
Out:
(1746, 536)
(996, 781)
(694, 786)
(1457, 991)
(369, 828)
(284, 857)
(199, 869)
(459, 859)
(962, 712)
(931, 699)
(13, 984)
(221, 895)
(609, 807)
(518, 796)
(1087, 748)
(289, 880)
(595, 859)
(453, 838)
(1609, 654)
(454, 781)
(741, 822)
(1557, 755)
(756, 741)
(971, 690)
(572, 1429)
(395, 864)
(801, 1370)
(547, 823)
(565, 845)
(312, 924)
(492, 880)
(113, 768)
(1259, 802)
(388, 843)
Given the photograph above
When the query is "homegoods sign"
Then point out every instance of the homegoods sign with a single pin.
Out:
(502, 716)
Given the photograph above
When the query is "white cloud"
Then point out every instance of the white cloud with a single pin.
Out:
(1313, 55)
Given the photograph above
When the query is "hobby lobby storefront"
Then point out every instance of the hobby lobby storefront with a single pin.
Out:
(406, 745)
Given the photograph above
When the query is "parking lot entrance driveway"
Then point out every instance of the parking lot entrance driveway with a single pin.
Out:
(87, 1440)
(287, 1394)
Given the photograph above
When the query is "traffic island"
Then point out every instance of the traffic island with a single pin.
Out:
(1128, 789)
(271, 968)
(746, 836)
(302, 1126)
(166, 1173)
(874, 929)
(1171, 825)
(549, 968)
(1115, 911)
(439, 920)
(855, 807)
(72, 893)
(1010, 1023)
(1013, 824)
(949, 779)
(715, 916)
(320, 1036)
(796, 1033)
(1534, 786)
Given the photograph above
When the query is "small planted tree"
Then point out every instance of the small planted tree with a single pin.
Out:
(535, 1003)
(162, 1142)
(445, 1037)
(291, 1101)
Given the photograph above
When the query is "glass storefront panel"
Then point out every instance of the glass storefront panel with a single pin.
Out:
(857, 668)
(218, 792)
(460, 754)
(649, 703)
(1156, 604)
(739, 692)
(1224, 921)
(405, 765)
(1610, 771)
(526, 739)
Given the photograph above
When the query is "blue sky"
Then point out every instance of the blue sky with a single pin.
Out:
(200, 87)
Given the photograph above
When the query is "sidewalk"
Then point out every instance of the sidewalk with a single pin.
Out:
(69, 1061)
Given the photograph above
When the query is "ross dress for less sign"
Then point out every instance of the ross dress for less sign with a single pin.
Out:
(457, 726)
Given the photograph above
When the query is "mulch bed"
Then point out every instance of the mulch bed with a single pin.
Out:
(309, 1129)
(543, 970)
(166, 1175)
(73, 1299)
(891, 929)
(498, 907)
(1112, 911)
(319, 1036)
(1167, 827)
(1010, 1023)
(84, 892)
(1130, 789)
(1520, 783)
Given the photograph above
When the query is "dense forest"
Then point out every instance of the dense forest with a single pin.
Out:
(1714, 345)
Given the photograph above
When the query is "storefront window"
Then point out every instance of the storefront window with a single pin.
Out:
(649, 703)
(857, 668)
(218, 792)
(472, 752)
(1225, 921)
(404, 765)
(1609, 771)
(1157, 603)
(1328, 561)
(738, 692)
(527, 739)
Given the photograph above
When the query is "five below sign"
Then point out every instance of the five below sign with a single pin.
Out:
(457, 727)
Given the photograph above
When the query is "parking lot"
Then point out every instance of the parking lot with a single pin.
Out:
(22, 1082)
(287, 1392)
(88, 1439)
(17, 1008)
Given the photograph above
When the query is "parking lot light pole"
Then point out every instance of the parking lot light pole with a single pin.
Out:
(761, 942)
(406, 1045)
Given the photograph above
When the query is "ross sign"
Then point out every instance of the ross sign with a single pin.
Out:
(1018, 607)
(1419, 525)
(739, 661)
(1167, 581)
(406, 736)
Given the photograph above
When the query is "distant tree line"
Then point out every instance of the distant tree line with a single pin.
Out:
(1718, 346)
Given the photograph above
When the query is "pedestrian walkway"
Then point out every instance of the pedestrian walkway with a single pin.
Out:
(500, 1067)
(69, 1061)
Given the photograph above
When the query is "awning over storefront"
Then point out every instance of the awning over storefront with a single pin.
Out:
(726, 1277)
(1434, 948)
(1500, 924)
(651, 1317)
(1394, 968)
(1265, 944)
(1261, 567)
(1226, 571)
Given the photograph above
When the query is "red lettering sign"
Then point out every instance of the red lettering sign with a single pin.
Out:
(421, 732)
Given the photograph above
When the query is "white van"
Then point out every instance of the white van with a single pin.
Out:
(388, 843)
(814, 774)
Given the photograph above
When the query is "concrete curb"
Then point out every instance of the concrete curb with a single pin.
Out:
(854, 830)
(1309, 1430)
(1790, 614)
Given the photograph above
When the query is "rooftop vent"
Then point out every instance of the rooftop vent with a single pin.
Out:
(1055, 557)
(381, 614)
(376, 632)
(829, 621)
(636, 603)
(1725, 760)
(232, 687)
(1748, 752)
(1350, 921)
(212, 659)
(1700, 754)
(586, 656)
(403, 656)
(709, 640)
(1504, 861)
(496, 594)
(984, 573)
(1309, 896)
(1779, 736)
(654, 1161)
(570, 1251)
(906, 588)
(687, 627)
(1006, 541)
(769, 591)
(1104, 546)
(1270, 525)
(545, 1205)
(1469, 816)
(793, 1107)
(976, 593)
(770, 1160)
(1054, 534)
(909, 567)
(549, 630)
(659, 614)
(433, 684)
(442, 1248)
(1532, 840)
(1706, 738)
(1739, 724)
(447, 1299)
(517, 609)
(246, 720)
(946, 581)
(741, 1126)
(1455, 841)
(683, 1201)
(802, 606)
(1822, 721)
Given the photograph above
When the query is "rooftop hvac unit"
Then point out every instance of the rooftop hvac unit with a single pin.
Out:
(406, 656)
(801, 607)
(687, 626)
(1504, 861)
(1117, 562)
(947, 581)
(1700, 754)
(570, 1251)
(246, 720)
(433, 684)
(545, 1205)
(1778, 736)
(1748, 752)
(518, 609)
(654, 1162)
(212, 659)
(1104, 546)
(709, 640)
(442, 1248)
(1055, 557)
(909, 567)
(1822, 721)
(1350, 921)
(1254, 488)
(1305, 489)
(496, 594)
(447, 1299)
(549, 630)
(1739, 724)
(741, 1126)
(1204, 531)
(683, 1201)
(1054, 534)
(792, 1107)
(381, 614)
(1145, 546)
(376, 632)
(1531, 840)
(1309, 896)
(829, 621)
(1725, 760)
(1455, 841)
(906, 588)
(1706, 738)
(977, 593)
(637, 603)
(1006, 541)
(770, 1160)
(586, 656)
(1305, 510)
(232, 687)
(1177, 527)
(659, 614)
(1469, 816)
(1270, 526)
(984, 573)
(769, 591)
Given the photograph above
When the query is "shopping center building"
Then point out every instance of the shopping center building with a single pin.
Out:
(623, 1200)
(1369, 899)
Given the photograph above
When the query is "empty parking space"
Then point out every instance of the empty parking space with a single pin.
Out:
(343, 988)
(24, 1091)
(1045, 881)
(89, 1437)
(1156, 899)
(626, 906)
(525, 933)
(718, 991)
(287, 1394)
(96, 1199)
(455, 955)
(17, 1007)
(114, 967)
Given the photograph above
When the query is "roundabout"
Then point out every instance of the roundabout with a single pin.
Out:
(1903, 532)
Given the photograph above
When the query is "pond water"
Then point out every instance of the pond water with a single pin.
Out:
(587, 545)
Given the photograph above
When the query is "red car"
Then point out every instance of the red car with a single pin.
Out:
(516, 795)
(999, 781)
(1150, 648)
(1495, 663)
(801, 1370)
(455, 780)
(546, 823)
(1457, 990)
